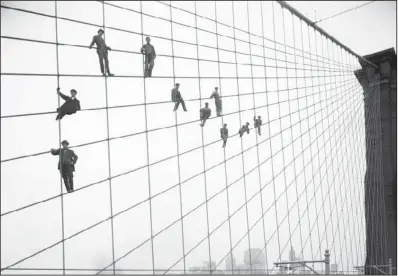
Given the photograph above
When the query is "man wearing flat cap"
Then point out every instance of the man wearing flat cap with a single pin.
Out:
(70, 106)
(66, 164)
(149, 51)
(102, 51)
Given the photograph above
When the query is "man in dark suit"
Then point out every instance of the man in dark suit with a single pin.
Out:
(70, 106)
(224, 134)
(205, 113)
(177, 98)
(257, 124)
(66, 164)
(102, 51)
(243, 129)
(149, 51)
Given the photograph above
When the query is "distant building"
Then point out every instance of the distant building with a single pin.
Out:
(230, 263)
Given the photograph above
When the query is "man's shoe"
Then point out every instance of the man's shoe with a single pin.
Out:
(110, 74)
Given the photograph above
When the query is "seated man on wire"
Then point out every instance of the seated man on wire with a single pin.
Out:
(243, 129)
(176, 98)
(102, 51)
(224, 134)
(217, 101)
(205, 113)
(70, 106)
(66, 164)
(149, 51)
(257, 124)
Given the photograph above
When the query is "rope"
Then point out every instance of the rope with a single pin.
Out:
(109, 147)
(59, 142)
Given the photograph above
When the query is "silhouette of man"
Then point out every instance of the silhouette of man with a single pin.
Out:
(176, 98)
(66, 164)
(149, 51)
(102, 51)
(257, 124)
(217, 101)
(243, 129)
(205, 113)
(70, 106)
(224, 134)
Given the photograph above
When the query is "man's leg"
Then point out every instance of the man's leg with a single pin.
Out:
(183, 105)
(146, 66)
(107, 62)
(177, 104)
(259, 130)
(70, 177)
(151, 65)
(64, 173)
(101, 60)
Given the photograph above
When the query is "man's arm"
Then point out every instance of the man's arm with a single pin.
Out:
(92, 43)
(142, 49)
(74, 157)
(154, 53)
(55, 151)
(78, 105)
(62, 95)
(212, 95)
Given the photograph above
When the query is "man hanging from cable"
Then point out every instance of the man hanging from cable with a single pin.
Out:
(205, 113)
(224, 134)
(243, 129)
(102, 51)
(257, 124)
(66, 164)
(176, 98)
(149, 51)
(217, 101)
(70, 106)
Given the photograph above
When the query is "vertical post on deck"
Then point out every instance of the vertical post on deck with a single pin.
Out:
(327, 262)
(389, 266)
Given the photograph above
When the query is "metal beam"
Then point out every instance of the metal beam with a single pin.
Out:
(319, 29)
(298, 262)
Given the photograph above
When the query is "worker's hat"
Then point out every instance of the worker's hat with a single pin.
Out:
(65, 142)
(101, 30)
(73, 90)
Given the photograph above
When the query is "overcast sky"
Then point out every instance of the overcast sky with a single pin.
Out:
(302, 178)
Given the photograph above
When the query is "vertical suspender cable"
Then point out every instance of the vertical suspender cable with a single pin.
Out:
(203, 142)
(241, 141)
(306, 104)
(294, 164)
(225, 158)
(257, 149)
(147, 149)
(313, 68)
(59, 141)
(277, 89)
(109, 151)
(269, 126)
(280, 123)
(178, 145)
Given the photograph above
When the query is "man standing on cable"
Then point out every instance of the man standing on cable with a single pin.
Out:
(224, 134)
(176, 98)
(205, 113)
(102, 51)
(217, 101)
(70, 106)
(66, 164)
(257, 124)
(149, 51)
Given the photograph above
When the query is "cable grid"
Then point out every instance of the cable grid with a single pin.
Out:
(297, 186)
